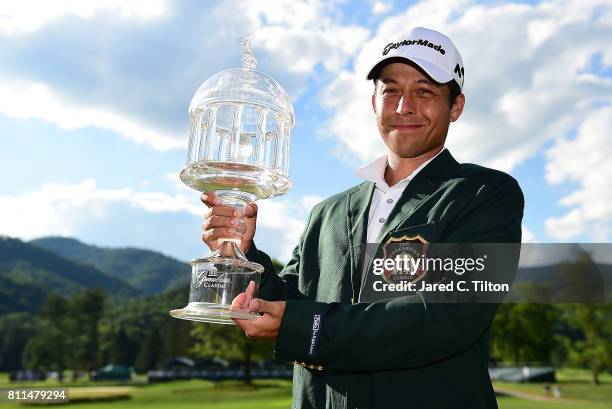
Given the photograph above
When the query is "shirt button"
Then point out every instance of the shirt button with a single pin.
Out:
(381, 220)
(389, 200)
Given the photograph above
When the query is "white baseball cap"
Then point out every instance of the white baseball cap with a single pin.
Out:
(434, 52)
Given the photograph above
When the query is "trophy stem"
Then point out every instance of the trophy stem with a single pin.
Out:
(229, 248)
(235, 198)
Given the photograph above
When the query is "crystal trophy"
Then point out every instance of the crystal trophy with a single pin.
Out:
(240, 124)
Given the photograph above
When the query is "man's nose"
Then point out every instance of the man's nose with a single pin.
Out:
(405, 105)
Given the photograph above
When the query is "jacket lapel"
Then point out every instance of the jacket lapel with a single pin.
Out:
(357, 223)
(424, 184)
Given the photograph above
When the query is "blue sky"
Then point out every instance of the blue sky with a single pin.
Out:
(94, 97)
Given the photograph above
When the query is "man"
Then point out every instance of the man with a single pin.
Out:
(403, 352)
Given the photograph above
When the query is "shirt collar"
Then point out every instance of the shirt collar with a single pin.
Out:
(374, 171)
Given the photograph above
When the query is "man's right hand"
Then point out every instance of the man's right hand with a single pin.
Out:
(223, 221)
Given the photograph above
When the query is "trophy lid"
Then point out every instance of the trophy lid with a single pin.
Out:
(244, 86)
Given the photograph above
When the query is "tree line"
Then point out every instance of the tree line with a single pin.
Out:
(88, 330)
(573, 334)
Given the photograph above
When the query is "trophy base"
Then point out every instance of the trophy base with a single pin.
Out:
(217, 281)
(212, 313)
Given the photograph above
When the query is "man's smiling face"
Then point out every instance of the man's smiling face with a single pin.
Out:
(412, 112)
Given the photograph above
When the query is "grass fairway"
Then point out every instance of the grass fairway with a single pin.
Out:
(514, 403)
(196, 394)
(202, 394)
(576, 389)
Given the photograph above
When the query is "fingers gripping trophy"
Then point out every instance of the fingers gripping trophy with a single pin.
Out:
(240, 123)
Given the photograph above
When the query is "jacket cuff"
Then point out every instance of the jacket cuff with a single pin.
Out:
(300, 333)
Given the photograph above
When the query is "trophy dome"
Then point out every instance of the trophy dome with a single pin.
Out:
(243, 86)
(240, 132)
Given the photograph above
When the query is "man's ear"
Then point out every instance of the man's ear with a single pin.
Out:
(457, 108)
(374, 102)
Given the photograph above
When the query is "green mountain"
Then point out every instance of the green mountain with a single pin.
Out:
(146, 270)
(29, 273)
(19, 297)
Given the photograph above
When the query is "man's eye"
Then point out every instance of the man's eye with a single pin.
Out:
(424, 91)
(389, 91)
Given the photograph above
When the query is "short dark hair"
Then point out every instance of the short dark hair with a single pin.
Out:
(455, 91)
(453, 87)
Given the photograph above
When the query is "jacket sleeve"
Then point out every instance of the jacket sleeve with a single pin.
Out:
(404, 332)
(283, 285)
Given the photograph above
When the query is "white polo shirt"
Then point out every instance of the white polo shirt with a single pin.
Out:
(385, 197)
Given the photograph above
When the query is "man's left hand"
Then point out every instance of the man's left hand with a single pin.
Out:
(266, 326)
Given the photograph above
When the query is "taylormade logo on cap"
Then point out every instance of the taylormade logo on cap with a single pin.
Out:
(422, 42)
(432, 51)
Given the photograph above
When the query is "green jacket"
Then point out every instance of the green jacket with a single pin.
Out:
(400, 353)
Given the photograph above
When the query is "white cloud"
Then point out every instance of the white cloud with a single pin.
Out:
(70, 209)
(527, 78)
(26, 16)
(528, 236)
(30, 100)
(65, 209)
(584, 160)
(299, 34)
(280, 223)
(139, 86)
(381, 7)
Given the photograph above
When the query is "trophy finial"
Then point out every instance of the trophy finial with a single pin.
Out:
(249, 62)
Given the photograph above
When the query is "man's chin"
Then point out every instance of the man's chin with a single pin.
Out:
(401, 146)
(410, 152)
(406, 153)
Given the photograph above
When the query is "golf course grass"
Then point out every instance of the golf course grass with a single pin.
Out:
(576, 392)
